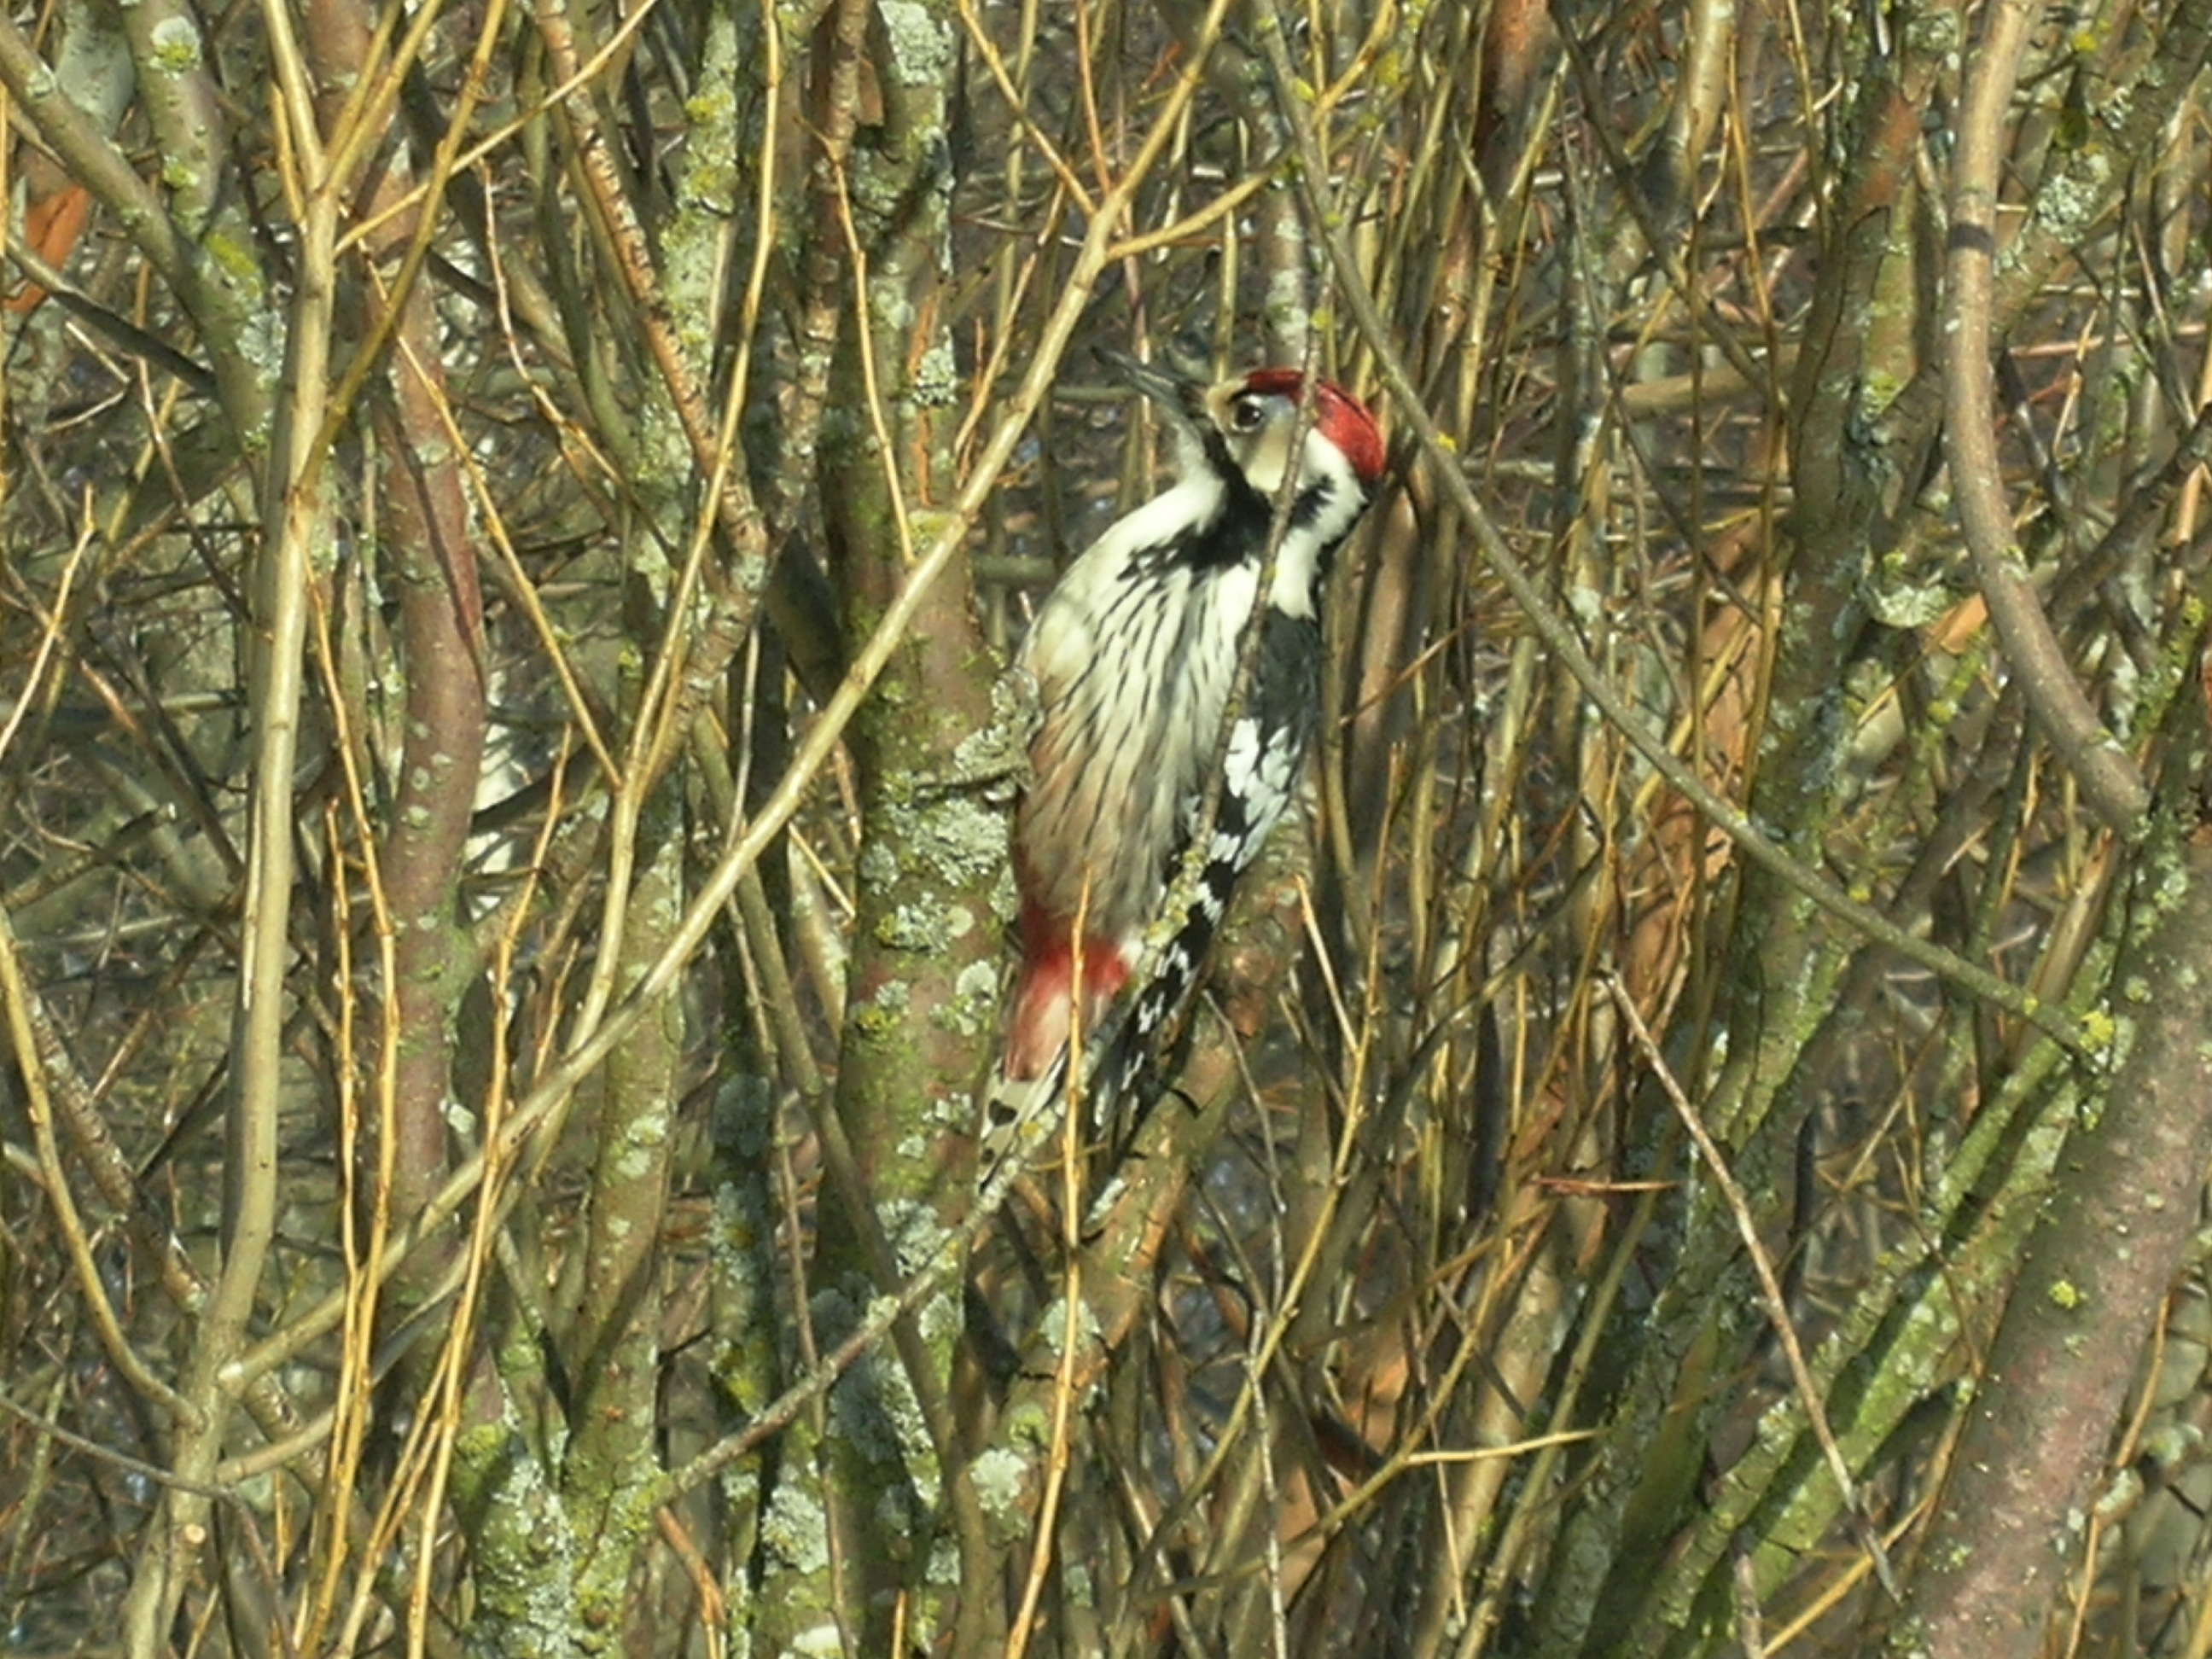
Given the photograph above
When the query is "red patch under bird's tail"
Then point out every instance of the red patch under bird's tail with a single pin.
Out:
(1044, 995)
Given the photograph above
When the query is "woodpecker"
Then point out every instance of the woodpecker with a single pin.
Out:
(1133, 657)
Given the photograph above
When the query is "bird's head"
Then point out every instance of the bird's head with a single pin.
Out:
(1246, 425)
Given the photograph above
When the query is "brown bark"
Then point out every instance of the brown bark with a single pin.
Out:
(2006, 1535)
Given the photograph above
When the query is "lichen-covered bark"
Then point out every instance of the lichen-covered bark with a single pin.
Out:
(1885, 1363)
(748, 1359)
(922, 983)
(431, 566)
(612, 1345)
(522, 1544)
(2122, 1210)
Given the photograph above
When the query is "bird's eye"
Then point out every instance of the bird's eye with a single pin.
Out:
(1246, 415)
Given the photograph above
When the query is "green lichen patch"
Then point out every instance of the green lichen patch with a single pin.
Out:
(176, 43)
(795, 1530)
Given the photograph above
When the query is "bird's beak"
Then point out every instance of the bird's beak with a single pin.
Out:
(1183, 398)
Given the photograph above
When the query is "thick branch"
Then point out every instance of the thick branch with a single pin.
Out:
(2093, 1277)
(2110, 780)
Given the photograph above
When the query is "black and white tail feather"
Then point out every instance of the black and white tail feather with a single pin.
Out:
(1121, 1078)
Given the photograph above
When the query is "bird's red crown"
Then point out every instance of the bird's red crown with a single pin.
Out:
(1338, 416)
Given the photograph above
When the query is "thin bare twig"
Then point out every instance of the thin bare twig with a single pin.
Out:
(1769, 1283)
(1566, 644)
(16, 1006)
(145, 1471)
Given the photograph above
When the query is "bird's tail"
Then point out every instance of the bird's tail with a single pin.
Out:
(1031, 1084)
